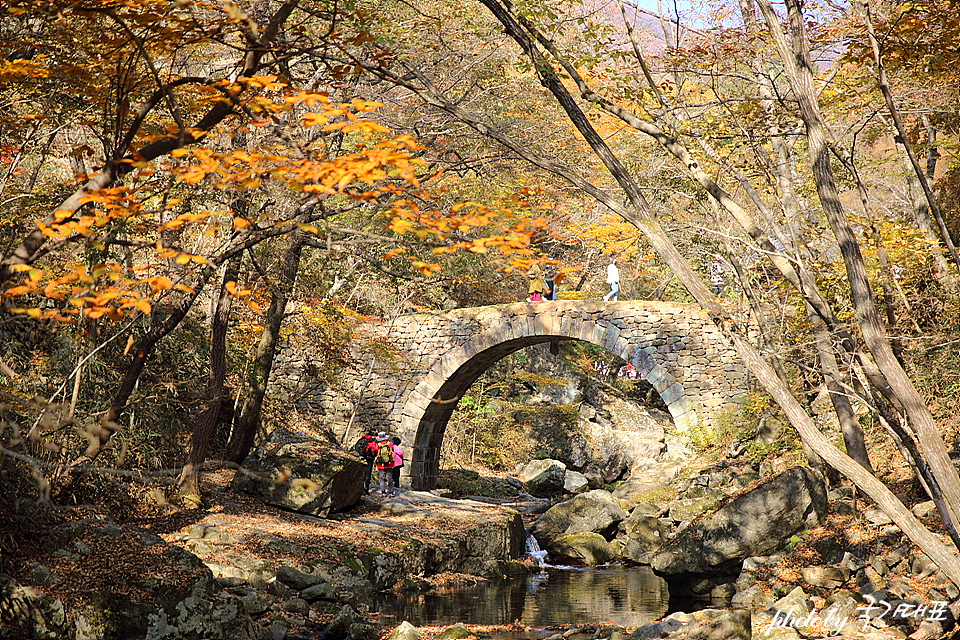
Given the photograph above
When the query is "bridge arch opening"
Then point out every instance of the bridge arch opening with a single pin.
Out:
(453, 376)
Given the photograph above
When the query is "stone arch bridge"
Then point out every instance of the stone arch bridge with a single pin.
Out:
(413, 371)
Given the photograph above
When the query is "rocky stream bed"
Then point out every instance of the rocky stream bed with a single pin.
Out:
(771, 557)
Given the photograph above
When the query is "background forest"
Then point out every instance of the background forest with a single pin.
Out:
(183, 184)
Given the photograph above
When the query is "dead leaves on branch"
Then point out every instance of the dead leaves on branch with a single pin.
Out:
(48, 436)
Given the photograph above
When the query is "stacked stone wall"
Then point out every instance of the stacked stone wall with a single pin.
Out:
(400, 367)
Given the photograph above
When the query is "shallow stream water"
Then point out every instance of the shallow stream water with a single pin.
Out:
(556, 596)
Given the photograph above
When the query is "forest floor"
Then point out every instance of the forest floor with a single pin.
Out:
(236, 513)
(268, 535)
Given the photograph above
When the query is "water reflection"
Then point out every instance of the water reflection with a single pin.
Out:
(555, 596)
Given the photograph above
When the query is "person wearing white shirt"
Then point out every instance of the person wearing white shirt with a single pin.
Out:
(613, 279)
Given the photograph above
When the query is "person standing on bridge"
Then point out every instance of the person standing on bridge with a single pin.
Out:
(550, 283)
(613, 279)
(535, 290)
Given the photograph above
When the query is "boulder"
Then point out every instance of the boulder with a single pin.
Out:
(830, 577)
(841, 608)
(454, 632)
(659, 629)
(297, 579)
(405, 631)
(634, 489)
(709, 624)
(300, 473)
(595, 511)
(348, 623)
(796, 603)
(770, 430)
(924, 509)
(575, 482)
(754, 524)
(597, 433)
(706, 624)
(642, 508)
(750, 597)
(687, 509)
(640, 535)
(484, 542)
(544, 478)
(583, 548)
(351, 590)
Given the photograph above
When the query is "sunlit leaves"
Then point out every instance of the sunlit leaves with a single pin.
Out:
(425, 268)
(243, 294)
(374, 166)
(16, 69)
(183, 219)
(372, 161)
(512, 244)
(103, 290)
(308, 228)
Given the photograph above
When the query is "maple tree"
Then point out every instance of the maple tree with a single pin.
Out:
(715, 150)
(218, 135)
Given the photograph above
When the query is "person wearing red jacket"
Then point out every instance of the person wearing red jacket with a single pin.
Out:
(366, 448)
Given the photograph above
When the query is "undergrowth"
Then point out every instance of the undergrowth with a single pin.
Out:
(26, 520)
(737, 428)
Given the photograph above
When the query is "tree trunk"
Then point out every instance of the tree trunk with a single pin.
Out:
(928, 542)
(796, 61)
(921, 214)
(189, 482)
(642, 217)
(839, 396)
(902, 135)
(110, 424)
(247, 421)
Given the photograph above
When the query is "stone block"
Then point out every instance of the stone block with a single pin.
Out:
(663, 382)
(548, 325)
(584, 331)
(656, 375)
(622, 348)
(672, 393)
(686, 422)
(609, 337)
(416, 400)
(593, 332)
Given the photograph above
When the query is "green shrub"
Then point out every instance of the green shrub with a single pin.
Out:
(739, 424)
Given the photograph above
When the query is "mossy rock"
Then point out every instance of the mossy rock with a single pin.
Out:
(587, 548)
(458, 630)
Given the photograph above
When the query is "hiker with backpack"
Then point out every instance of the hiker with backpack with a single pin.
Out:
(366, 448)
(384, 463)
